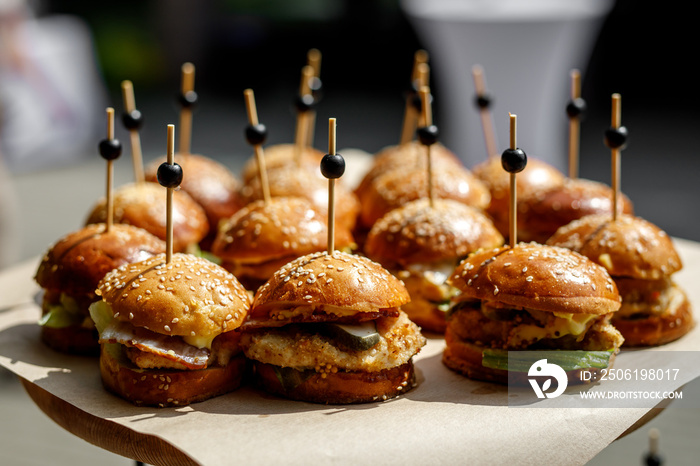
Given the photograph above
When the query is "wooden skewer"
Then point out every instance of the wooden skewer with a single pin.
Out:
(313, 59)
(420, 57)
(302, 131)
(186, 112)
(513, 209)
(616, 119)
(427, 120)
(136, 154)
(170, 154)
(110, 171)
(485, 112)
(331, 187)
(259, 155)
(574, 126)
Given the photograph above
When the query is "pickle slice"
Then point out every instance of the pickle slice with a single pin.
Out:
(357, 337)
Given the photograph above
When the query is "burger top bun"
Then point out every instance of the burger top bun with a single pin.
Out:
(77, 262)
(534, 276)
(208, 182)
(279, 228)
(280, 155)
(627, 247)
(190, 296)
(338, 279)
(143, 205)
(397, 187)
(537, 177)
(420, 233)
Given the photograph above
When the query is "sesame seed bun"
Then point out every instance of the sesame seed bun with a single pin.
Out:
(534, 276)
(419, 232)
(540, 218)
(339, 279)
(634, 247)
(301, 181)
(143, 205)
(73, 267)
(278, 231)
(397, 187)
(209, 183)
(279, 156)
(188, 296)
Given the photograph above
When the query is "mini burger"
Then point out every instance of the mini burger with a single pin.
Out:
(69, 273)
(422, 244)
(263, 236)
(576, 198)
(210, 184)
(641, 259)
(167, 330)
(279, 156)
(141, 205)
(530, 297)
(328, 328)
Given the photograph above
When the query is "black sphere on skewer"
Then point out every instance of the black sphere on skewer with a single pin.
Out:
(110, 149)
(169, 175)
(483, 101)
(133, 120)
(616, 138)
(304, 103)
(187, 99)
(428, 135)
(513, 160)
(332, 166)
(576, 108)
(256, 134)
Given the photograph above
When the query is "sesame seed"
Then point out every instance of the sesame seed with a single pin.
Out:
(529, 278)
(167, 328)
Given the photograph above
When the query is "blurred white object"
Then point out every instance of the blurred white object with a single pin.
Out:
(526, 49)
(51, 94)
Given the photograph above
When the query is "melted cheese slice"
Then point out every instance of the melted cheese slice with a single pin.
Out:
(562, 324)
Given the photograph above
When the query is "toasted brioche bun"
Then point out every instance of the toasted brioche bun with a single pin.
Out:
(76, 264)
(300, 181)
(634, 247)
(209, 183)
(541, 217)
(397, 187)
(143, 205)
(168, 387)
(658, 329)
(534, 276)
(466, 357)
(338, 279)
(190, 296)
(419, 232)
(341, 387)
(279, 156)
(283, 227)
(411, 154)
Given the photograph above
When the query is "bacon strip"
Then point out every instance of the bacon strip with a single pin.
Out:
(169, 347)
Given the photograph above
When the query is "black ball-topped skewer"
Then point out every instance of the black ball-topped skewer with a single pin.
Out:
(412, 109)
(427, 135)
(313, 59)
(256, 134)
(187, 100)
(653, 457)
(169, 176)
(304, 103)
(133, 121)
(616, 139)
(484, 102)
(575, 110)
(332, 167)
(110, 150)
(513, 161)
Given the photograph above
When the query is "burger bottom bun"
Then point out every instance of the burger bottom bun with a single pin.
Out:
(658, 329)
(340, 387)
(465, 358)
(168, 387)
(75, 339)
